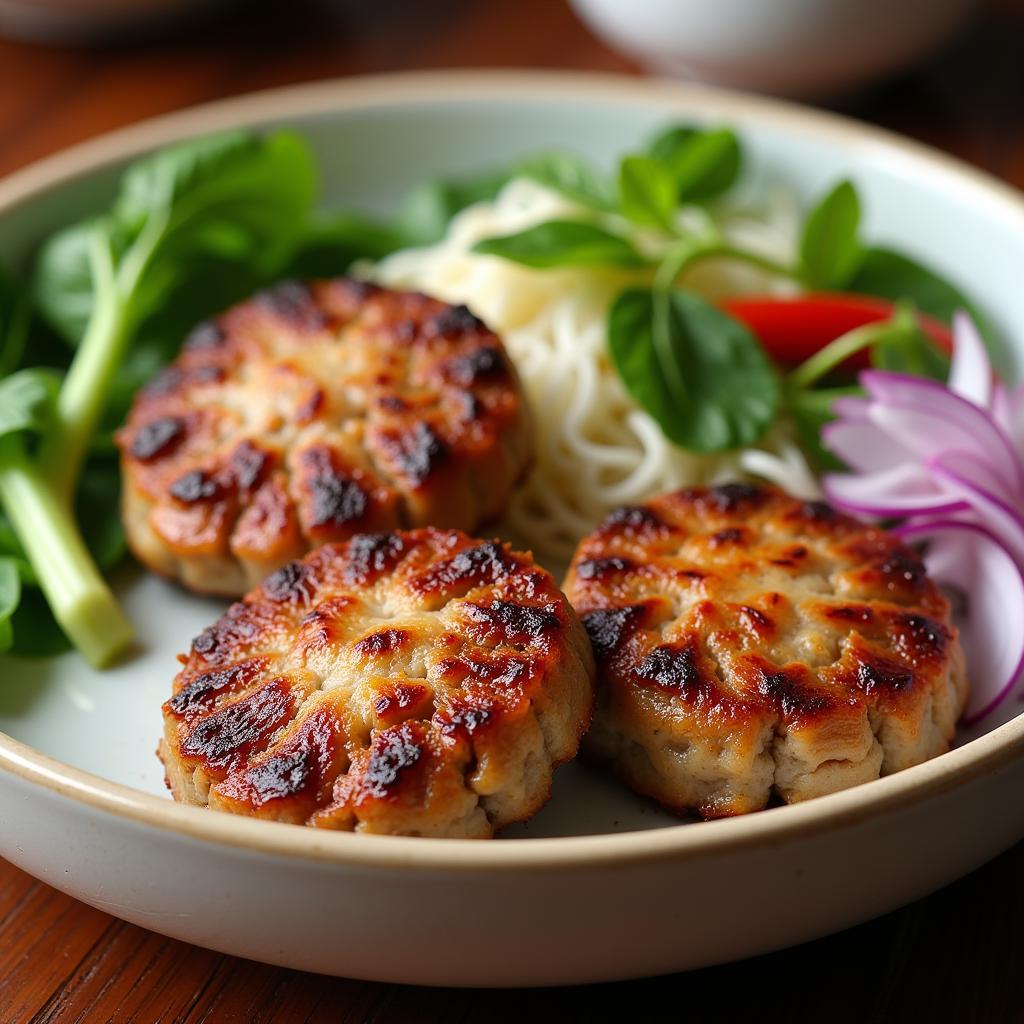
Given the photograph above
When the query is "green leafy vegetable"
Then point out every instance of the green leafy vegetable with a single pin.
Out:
(704, 163)
(426, 212)
(709, 386)
(892, 275)
(905, 348)
(647, 192)
(570, 175)
(10, 596)
(184, 220)
(830, 252)
(559, 243)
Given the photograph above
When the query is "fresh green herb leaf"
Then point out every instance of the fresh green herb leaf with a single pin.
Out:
(36, 632)
(571, 175)
(334, 243)
(26, 400)
(184, 222)
(903, 347)
(721, 392)
(10, 597)
(647, 192)
(426, 212)
(830, 252)
(14, 324)
(892, 275)
(559, 243)
(704, 163)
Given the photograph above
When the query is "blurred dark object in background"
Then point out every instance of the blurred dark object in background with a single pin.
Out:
(84, 22)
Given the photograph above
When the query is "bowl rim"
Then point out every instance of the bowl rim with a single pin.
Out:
(984, 755)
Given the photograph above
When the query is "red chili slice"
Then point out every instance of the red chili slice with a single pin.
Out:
(792, 329)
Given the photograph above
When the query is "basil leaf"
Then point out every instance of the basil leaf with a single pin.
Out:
(893, 275)
(559, 243)
(10, 596)
(426, 212)
(704, 163)
(570, 175)
(647, 192)
(26, 400)
(720, 392)
(830, 252)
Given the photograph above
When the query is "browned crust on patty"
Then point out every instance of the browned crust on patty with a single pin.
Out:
(750, 644)
(313, 412)
(419, 683)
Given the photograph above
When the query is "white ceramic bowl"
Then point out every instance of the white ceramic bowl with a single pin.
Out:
(600, 885)
(787, 47)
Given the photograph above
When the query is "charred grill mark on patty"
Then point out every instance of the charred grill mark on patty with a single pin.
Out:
(734, 496)
(674, 669)
(369, 555)
(512, 623)
(415, 452)
(202, 691)
(485, 563)
(295, 582)
(249, 464)
(393, 757)
(205, 336)
(293, 302)
(196, 486)
(302, 767)
(792, 691)
(456, 320)
(608, 628)
(158, 438)
(482, 364)
(384, 641)
(883, 675)
(237, 729)
(336, 499)
(602, 568)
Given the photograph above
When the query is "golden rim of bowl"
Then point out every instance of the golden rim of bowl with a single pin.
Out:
(987, 754)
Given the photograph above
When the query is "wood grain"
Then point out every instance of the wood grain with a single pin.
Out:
(954, 956)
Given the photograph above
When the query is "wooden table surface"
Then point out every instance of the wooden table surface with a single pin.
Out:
(953, 956)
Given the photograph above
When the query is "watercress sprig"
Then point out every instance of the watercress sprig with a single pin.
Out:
(181, 214)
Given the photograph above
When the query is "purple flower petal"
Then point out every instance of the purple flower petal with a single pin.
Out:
(970, 558)
(970, 374)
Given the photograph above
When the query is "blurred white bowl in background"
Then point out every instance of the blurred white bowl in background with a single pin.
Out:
(787, 47)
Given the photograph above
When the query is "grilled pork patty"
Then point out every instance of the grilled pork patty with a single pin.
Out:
(751, 644)
(311, 413)
(416, 683)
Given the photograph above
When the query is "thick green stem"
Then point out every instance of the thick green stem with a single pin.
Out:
(85, 386)
(77, 594)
